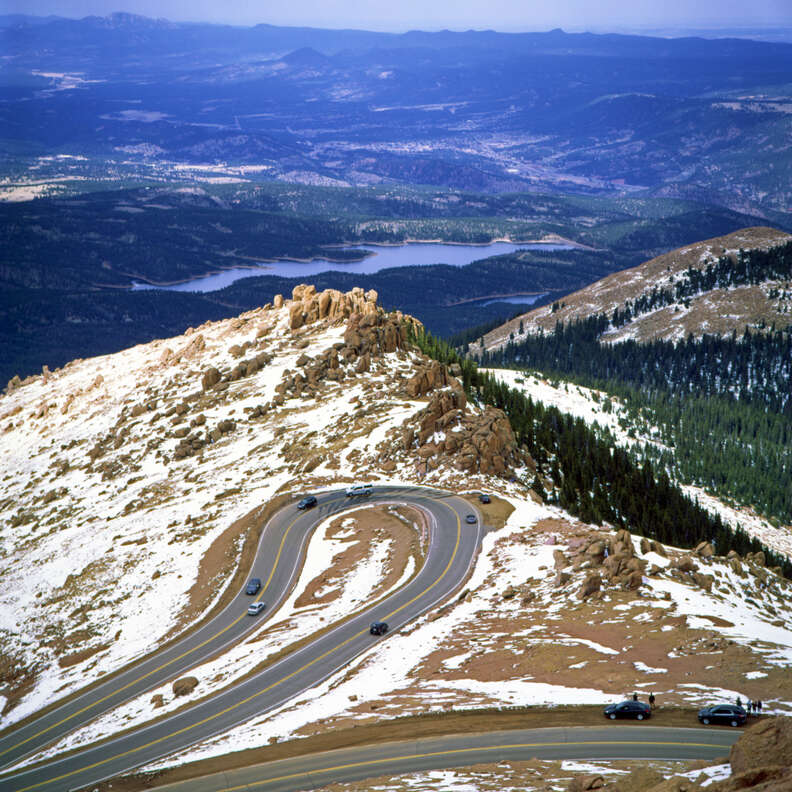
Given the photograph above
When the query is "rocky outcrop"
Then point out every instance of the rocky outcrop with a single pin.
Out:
(612, 561)
(445, 432)
(768, 742)
(368, 336)
(428, 377)
(375, 332)
(308, 307)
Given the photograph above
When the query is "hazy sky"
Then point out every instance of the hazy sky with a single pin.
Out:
(400, 15)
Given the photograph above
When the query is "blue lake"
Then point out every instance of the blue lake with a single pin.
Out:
(516, 299)
(378, 257)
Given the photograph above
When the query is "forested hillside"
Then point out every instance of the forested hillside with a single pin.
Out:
(715, 286)
(720, 407)
(583, 472)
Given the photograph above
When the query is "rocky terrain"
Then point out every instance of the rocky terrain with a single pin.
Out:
(718, 311)
(110, 463)
(113, 464)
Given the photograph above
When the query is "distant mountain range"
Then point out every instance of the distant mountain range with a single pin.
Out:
(695, 118)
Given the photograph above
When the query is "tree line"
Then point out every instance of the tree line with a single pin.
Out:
(748, 267)
(593, 479)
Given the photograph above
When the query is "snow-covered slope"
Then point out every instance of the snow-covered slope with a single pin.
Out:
(124, 475)
(719, 311)
(131, 480)
(607, 413)
(524, 634)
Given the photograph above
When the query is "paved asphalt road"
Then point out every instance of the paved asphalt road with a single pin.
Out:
(452, 548)
(353, 764)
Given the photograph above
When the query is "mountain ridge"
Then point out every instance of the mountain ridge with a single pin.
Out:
(720, 311)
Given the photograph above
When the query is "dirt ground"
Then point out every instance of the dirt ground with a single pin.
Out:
(372, 525)
(495, 513)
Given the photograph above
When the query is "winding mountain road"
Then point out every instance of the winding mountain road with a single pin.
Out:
(452, 549)
(458, 750)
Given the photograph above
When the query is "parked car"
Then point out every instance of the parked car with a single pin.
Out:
(256, 608)
(355, 490)
(378, 628)
(471, 519)
(253, 586)
(723, 714)
(307, 502)
(484, 498)
(628, 709)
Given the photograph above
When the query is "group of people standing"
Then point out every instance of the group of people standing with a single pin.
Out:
(753, 707)
(651, 699)
(750, 706)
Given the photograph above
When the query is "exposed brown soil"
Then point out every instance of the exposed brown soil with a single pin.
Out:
(410, 728)
(495, 513)
(16, 680)
(372, 525)
(220, 561)
(77, 657)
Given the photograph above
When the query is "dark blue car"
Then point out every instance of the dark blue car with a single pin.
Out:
(628, 709)
(253, 586)
(723, 714)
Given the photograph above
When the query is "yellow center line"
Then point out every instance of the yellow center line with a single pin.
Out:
(164, 665)
(451, 752)
(258, 693)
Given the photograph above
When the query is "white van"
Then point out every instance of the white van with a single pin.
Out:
(358, 489)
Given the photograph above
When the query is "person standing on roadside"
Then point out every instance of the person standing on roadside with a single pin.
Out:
(652, 700)
(635, 697)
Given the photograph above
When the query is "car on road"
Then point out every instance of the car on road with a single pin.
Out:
(253, 586)
(628, 709)
(307, 502)
(356, 490)
(724, 715)
(484, 498)
(471, 519)
(256, 608)
(378, 628)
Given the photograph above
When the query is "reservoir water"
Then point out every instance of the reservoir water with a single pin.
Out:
(377, 257)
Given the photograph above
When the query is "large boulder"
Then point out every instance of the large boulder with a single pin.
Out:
(704, 550)
(685, 564)
(210, 378)
(592, 583)
(639, 780)
(184, 686)
(768, 742)
(586, 782)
